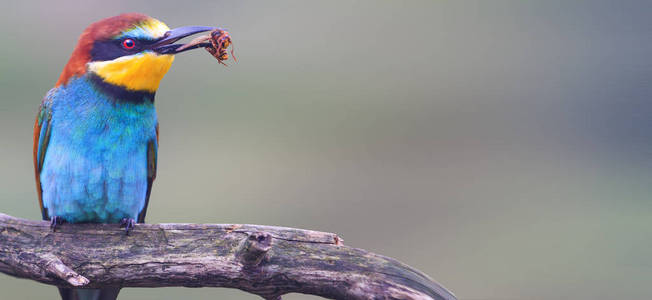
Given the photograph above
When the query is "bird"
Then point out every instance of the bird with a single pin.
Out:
(96, 131)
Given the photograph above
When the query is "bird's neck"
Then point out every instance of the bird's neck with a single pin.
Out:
(118, 93)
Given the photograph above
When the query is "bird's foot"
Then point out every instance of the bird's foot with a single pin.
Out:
(128, 224)
(54, 221)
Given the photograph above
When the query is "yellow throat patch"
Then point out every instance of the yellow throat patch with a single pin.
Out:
(138, 72)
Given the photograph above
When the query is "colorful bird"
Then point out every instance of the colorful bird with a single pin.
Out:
(96, 132)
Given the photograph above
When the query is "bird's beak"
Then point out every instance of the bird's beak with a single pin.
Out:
(165, 45)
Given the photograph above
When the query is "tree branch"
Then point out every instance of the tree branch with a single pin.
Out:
(264, 260)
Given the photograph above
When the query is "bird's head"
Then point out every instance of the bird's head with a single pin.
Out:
(129, 51)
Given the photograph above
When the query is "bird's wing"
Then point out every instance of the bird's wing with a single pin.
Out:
(41, 140)
(152, 153)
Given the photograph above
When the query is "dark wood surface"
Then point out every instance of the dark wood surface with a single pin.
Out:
(264, 260)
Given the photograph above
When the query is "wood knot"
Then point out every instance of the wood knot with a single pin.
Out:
(255, 247)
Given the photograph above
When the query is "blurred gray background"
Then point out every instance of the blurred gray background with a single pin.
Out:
(502, 147)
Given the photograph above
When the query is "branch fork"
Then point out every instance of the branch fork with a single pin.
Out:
(254, 248)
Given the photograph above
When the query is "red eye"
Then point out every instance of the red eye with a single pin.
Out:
(128, 44)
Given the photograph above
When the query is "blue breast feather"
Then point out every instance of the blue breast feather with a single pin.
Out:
(95, 166)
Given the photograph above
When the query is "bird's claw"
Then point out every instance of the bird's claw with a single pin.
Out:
(54, 221)
(128, 224)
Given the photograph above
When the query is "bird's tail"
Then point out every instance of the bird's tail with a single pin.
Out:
(89, 294)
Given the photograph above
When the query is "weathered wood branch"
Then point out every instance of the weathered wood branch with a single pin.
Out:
(264, 260)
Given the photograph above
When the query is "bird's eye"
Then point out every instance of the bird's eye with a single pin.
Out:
(128, 44)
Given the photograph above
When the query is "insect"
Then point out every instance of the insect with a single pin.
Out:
(216, 43)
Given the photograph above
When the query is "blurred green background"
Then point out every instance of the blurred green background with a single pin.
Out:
(502, 147)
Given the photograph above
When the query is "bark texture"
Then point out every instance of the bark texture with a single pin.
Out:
(264, 260)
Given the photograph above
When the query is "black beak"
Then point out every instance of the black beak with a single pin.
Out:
(165, 45)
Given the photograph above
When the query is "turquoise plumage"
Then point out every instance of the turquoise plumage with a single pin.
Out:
(95, 168)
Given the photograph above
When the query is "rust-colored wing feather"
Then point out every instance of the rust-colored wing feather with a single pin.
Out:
(37, 171)
(41, 140)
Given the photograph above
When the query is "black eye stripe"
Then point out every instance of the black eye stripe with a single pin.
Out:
(112, 49)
